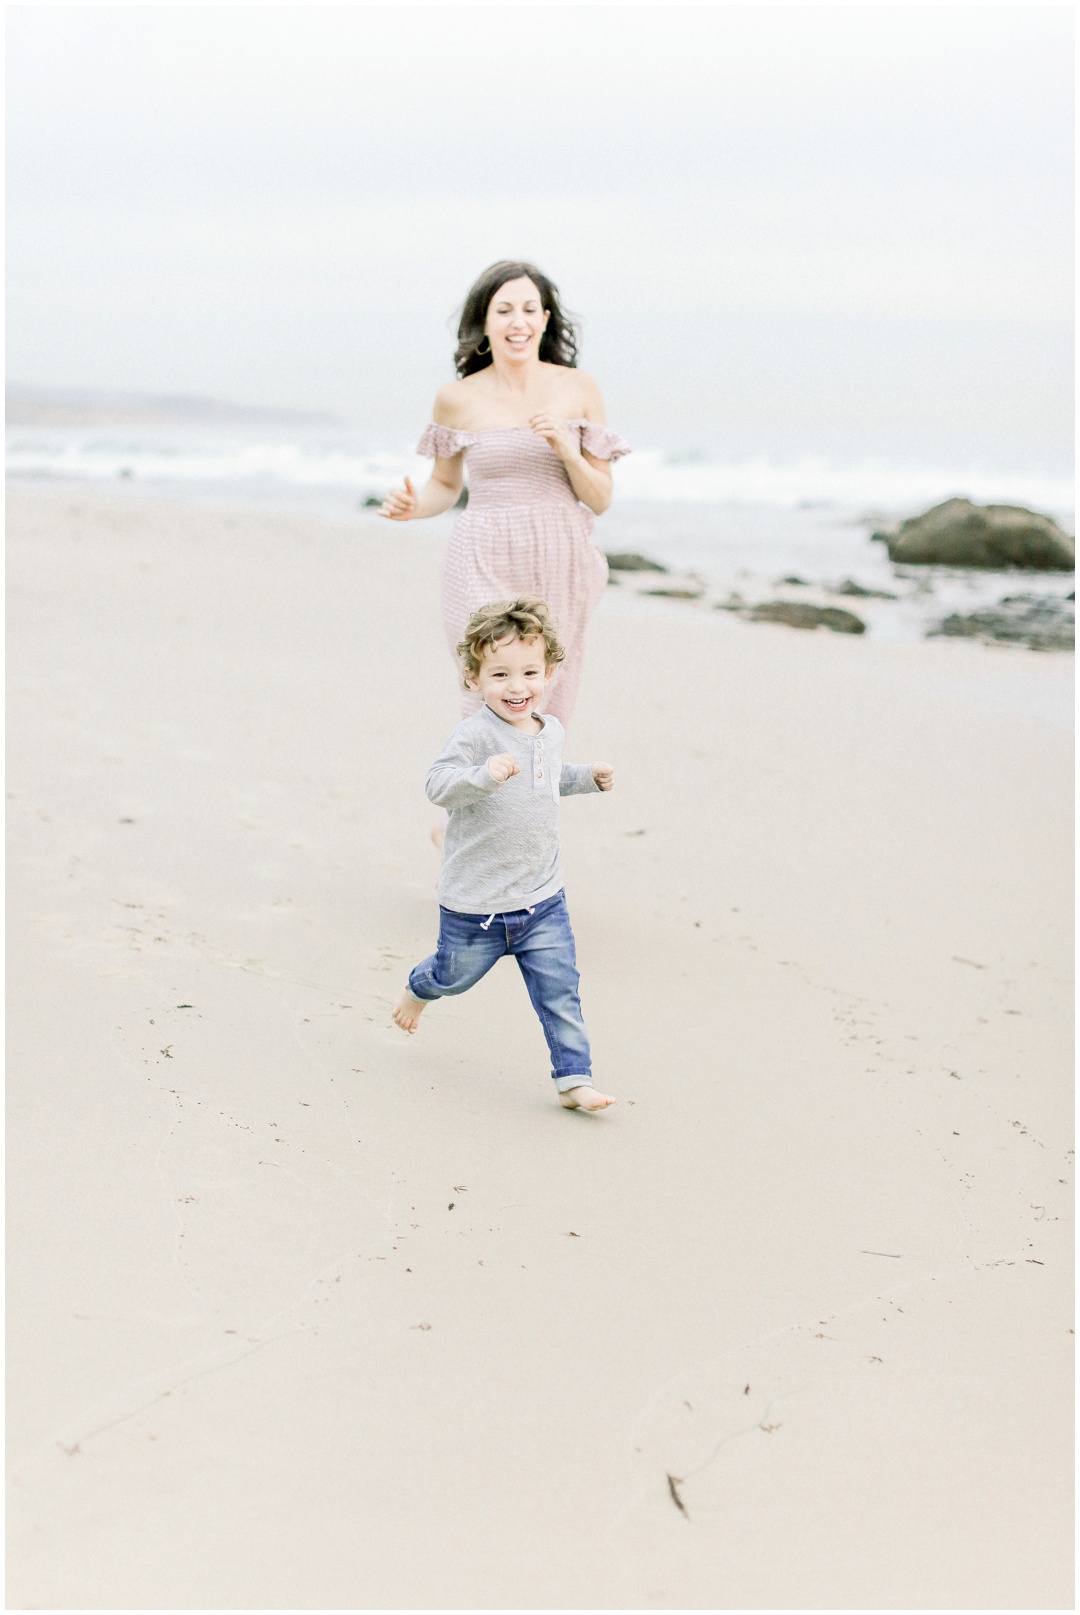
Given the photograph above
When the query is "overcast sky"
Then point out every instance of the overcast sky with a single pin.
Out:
(798, 227)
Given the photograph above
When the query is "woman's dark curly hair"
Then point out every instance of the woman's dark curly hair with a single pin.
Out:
(558, 345)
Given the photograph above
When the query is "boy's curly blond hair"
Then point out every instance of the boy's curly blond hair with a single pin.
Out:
(526, 618)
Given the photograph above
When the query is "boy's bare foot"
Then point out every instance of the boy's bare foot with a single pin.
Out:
(407, 1012)
(582, 1098)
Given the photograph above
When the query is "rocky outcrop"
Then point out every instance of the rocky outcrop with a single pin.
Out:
(1019, 619)
(797, 614)
(630, 561)
(959, 533)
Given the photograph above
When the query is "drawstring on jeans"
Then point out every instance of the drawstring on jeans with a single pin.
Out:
(485, 923)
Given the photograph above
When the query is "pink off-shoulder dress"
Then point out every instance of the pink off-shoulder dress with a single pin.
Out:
(524, 531)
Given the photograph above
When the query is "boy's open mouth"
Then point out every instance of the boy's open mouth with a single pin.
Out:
(516, 703)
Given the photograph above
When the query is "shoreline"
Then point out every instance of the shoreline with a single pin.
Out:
(266, 1247)
(894, 603)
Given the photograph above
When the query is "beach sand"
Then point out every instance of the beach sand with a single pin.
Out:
(308, 1313)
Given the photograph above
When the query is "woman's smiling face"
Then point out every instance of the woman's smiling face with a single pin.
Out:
(516, 321)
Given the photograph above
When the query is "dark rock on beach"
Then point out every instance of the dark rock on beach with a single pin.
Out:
(1039, 622)
(794, 582)
(372, 502)
(856, 591)
(959, 533)
(675, 594)
(631, 561)
(797, 614)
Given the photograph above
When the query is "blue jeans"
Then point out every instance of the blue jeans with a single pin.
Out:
(542, 942)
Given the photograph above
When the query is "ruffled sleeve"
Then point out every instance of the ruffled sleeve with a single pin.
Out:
(601, 441)
(443, 442)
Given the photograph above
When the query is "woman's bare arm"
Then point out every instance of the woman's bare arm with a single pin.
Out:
(442, 487)
(438, 494)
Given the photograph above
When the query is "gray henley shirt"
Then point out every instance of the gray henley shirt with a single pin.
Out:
(502, 841)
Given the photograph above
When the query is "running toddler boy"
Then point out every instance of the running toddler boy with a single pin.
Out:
(500, 776)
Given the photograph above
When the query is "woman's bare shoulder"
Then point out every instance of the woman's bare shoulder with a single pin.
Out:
(591, 397)
(453, 404)
(581, 398)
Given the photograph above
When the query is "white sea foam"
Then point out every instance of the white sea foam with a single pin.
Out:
(813, 480)
(335, 460)
(300, 461)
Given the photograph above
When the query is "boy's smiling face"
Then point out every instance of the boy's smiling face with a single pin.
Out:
(512, 679)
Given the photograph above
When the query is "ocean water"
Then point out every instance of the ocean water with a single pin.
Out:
(740, 525)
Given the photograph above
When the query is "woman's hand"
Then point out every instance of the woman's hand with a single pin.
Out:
(555, 433)
(400, 505)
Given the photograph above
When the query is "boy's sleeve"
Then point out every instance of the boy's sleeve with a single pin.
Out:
(454, 779)
(576, 779)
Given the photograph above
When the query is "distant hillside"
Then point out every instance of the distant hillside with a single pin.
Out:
(74, 406)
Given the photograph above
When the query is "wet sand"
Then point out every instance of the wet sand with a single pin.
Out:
(306, 1313)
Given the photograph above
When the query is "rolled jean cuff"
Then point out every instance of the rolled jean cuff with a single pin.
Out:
(563, 1083)
(421, 998)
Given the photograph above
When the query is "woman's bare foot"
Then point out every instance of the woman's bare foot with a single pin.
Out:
(582, 1098)
(407, 1012)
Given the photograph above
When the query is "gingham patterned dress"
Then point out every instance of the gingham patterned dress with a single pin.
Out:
(524, 532)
